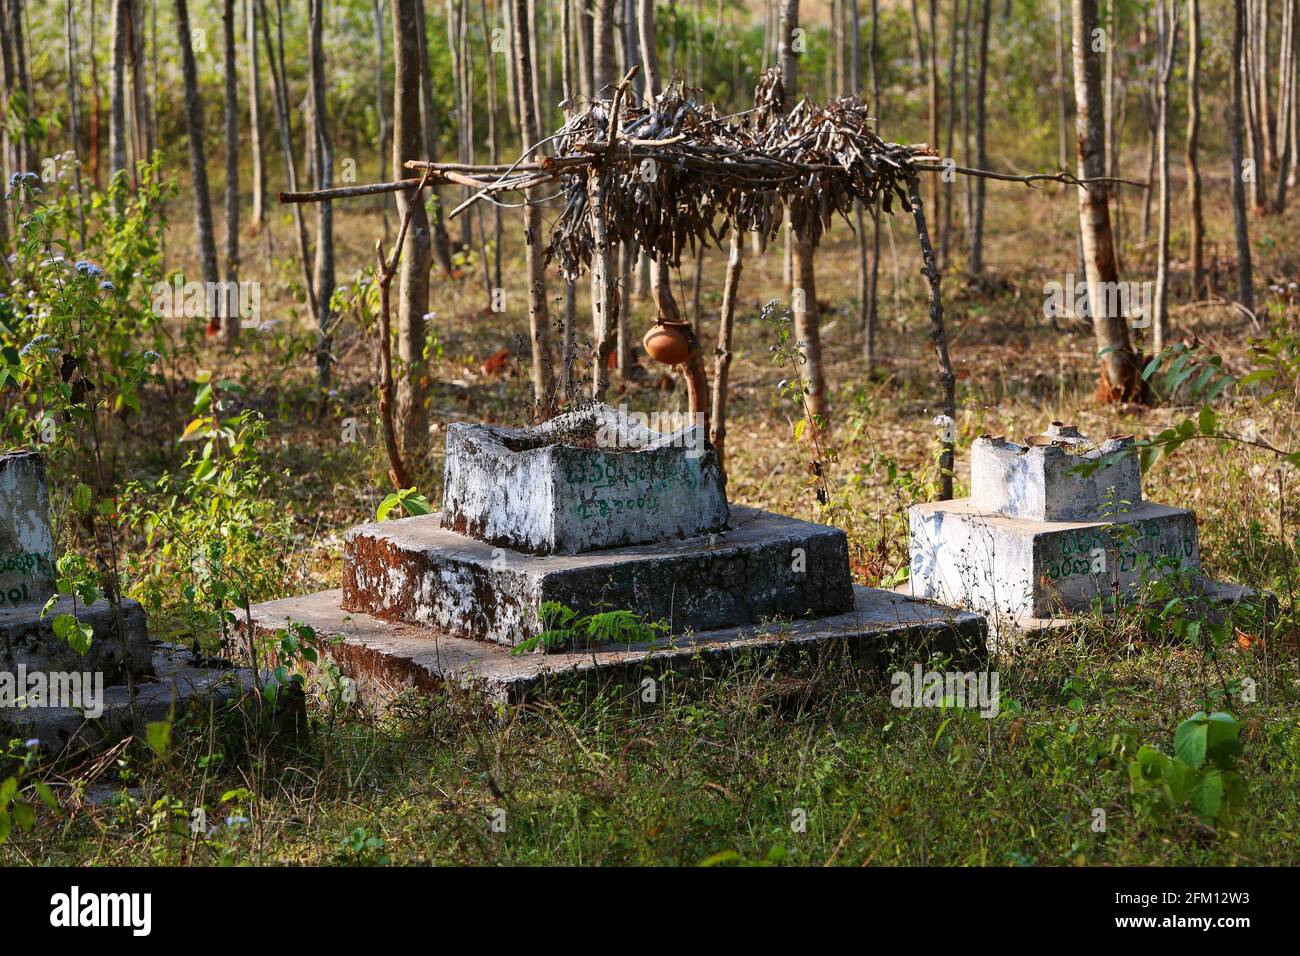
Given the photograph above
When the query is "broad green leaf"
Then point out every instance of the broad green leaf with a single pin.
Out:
(1191, 738)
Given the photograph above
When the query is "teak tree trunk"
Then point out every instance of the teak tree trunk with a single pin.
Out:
(1236, 119)
(117, 101)
(539, 326)
(1195, 216)
(324, 153)
(1167, 42)
(416, 252)
(722, 359)
(256, 144)
(976, 263)
(1120, 379)
(198, 154)
(230, 323)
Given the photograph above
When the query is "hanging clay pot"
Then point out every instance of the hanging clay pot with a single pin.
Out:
(667, 344)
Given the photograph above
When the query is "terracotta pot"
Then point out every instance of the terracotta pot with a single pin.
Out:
(667, 344)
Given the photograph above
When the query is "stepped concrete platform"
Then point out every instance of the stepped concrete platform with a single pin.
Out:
(761, 566)
(966, 555)
(386, 658)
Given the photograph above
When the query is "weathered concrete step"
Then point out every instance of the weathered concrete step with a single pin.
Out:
(763, 566)
(386, 658)
(27, 639)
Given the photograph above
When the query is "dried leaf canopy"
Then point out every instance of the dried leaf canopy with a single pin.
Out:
(682, 174)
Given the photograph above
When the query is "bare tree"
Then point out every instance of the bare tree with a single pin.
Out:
(807, 321)
(229, 322)
(1196, 219)
(1120, 380)
(649, 50)
(256, 144)
(429, 126)
(722, 360)
(279, 87)
(198, 154)
(416, 251)
(74, 122)
(539, 326)
(1236, 120)
(1062, 95)
(1167, 44)
(1286, 75)
(981, 157)
(117, 103)
(323, 151)
(602, 63)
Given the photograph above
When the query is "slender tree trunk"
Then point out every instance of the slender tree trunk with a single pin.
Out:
(1196, 220)
(650, 71)
(441, 241)
(139, 84)
(981, 157)
(722, 360)
(117, 105)
(539, 325)
(230, 323)
(279, 87)
(96, 104)
(602, 64)
(383, 123)
(256, 144)
(649, 49)
(950, 145)
(494, 146)
(198, 154)
(1236, 120)
(932, 69)
(1167, 42)
(1286, 91)
(74, 125)
(938, 335)
(1120, 380)
(1062, 103)
(409, 140)
(324, 151)
(873, 296)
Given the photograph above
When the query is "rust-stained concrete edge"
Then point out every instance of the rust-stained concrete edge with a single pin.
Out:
(386, 658)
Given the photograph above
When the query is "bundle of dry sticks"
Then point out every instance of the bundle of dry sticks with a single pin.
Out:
(678, 173)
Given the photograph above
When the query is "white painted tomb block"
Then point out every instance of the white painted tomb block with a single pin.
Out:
(1044, 534)
(26, 568)
(587, 480)
(1043, 479)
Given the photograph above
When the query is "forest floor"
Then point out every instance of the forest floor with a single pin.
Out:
(719, 776)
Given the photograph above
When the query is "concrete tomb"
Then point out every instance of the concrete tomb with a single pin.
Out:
(1050, 526)
(596, 512)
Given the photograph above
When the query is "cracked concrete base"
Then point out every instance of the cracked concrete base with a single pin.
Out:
(387, 658)
(763, 565)
(177, 682)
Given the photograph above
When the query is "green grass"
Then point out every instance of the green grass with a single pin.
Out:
(722, 775)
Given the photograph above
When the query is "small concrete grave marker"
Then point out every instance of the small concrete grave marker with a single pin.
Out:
(1050, 526)
(26, 568)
